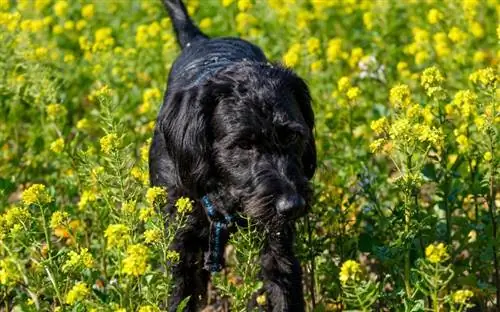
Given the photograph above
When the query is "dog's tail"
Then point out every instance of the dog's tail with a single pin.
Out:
(185, 30)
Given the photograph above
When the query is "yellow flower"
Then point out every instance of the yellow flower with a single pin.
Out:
(226, 3)
(261, 300)
(488, 156)
(244, 21)
(152, 235)
(463, 143)
(83, 124)
(400, 96)
(77, 293)
(117, 235)
(77, 261)
(334, 50)
(88, 11)
(244, 5)
(36, 194)
(58, 218)
(379, 125)
(129, 206)
(434, 16)
(9, 272)
(350, 270)
(55, 111)
(457, 35)
(436, 253)
(148, 308)
(57, 146)
(291, 57)
(184, 205)
(316, 66)
(206, 23)
(81, 24)
(13, 216)
(432, 80)
(109, 142)
(103, 39)
(69, 25)
(4, 5)
(156, 194)
(135, 262)
(146, 213)
(486, 77)
(356, 55)
(421, 57)
(479, 57)
(368, 20)
(343, 84)
(313, 45)
(60, 8)
(353, 93)
(461, 296)
(377, 145)
(87, 197)
(477, 30)
(466, 102)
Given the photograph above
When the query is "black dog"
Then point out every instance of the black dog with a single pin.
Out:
(235, 134)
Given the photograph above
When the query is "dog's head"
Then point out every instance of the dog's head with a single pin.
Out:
(247, 132)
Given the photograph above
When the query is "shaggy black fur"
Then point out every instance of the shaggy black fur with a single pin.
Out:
(237, 127)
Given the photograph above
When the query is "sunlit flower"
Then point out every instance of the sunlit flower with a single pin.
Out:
(350, 270)
(88, 11)
(55, 111)
(135, 262)
(156, 195)
(77, 261)
(88, 197)
(334, 50)
(57, 146)
(206, 23)
(58, 218)
(36, 194)
(109, 142)
(432, 80)
(61, 8)
(486, 77)
(313, 45)
(244, 5)
(436, 253)
(117, 235)
(152, 235)
(184, 205)
(457, 35)
(77, 293)
(353, 93)
(434, 16)
(368, 20)
(461, 296)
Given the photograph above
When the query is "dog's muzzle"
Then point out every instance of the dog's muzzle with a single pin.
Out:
(291, 206)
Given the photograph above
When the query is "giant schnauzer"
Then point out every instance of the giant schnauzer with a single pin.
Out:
(235, 134)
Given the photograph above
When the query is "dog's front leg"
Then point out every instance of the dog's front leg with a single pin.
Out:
(190, 280)
(281, 272)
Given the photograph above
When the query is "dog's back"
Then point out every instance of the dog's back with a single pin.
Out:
(201, 56)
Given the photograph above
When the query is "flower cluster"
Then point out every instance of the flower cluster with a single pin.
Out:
(436, 253)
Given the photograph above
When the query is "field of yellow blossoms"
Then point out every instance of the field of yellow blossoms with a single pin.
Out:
(405, 92)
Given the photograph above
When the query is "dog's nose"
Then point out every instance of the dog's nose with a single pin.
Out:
(290, 205)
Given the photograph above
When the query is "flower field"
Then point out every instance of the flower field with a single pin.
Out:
(405, 216)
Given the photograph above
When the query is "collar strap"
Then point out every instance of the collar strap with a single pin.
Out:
(220, 224)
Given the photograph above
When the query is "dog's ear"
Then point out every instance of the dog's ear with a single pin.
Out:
(188, 136)
(303, 98)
